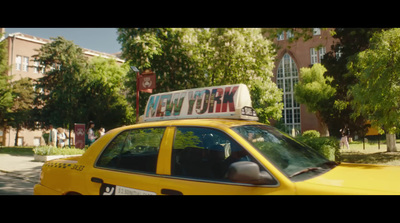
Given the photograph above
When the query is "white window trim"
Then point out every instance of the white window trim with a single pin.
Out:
(25, 64)
(18, 62)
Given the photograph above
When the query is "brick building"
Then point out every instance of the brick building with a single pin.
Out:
(288, 62)
(21, 48)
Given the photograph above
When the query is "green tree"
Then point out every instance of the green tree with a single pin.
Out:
(60, 86)
(20, 114)
(103, 96)
(6, 100)
(188, 58)
(75, 89)
(350, 42)
(377, 93)
(315, 92)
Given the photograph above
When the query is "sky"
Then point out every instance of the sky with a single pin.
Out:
(99, 39)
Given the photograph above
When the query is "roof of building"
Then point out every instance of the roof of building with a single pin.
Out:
(90, 52)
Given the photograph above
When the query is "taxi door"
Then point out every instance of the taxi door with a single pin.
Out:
(128, 164)
(198, 159)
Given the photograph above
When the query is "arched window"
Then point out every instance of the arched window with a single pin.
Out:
(287, 78)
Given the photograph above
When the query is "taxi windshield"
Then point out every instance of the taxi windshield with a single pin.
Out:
(290, 156)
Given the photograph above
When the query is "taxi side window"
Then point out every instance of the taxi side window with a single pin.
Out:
(134, 150)
(204, 153)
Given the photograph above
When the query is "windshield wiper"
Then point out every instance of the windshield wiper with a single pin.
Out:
(306, 170)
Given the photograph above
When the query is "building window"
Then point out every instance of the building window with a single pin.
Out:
(316, 31)
(281, 36)
(321, 52)
(18, 62)
(289, 34)
(36, 67)
(339, 53)
(317, 54)
(36, 141)
(287, 78)
(25, 64)
(313, 55)
(20, 141)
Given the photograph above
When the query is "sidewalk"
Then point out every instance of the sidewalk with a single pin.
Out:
(23, 167)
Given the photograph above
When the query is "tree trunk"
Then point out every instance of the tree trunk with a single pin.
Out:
(391, 142)
(323, 126)
(16, 137)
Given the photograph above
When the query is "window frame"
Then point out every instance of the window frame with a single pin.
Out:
(18, 62)
(25, 64)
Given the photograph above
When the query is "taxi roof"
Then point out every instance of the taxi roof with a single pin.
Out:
(215, 123)
(205, 122)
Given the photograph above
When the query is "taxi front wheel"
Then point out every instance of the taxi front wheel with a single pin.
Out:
(248, 172)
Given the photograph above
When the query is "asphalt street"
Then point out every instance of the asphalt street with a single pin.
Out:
(18, 174)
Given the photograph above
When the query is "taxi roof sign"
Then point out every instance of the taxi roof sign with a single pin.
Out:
(228, 101)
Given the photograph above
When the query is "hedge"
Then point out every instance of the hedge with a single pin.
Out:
(327, 146)
(50, 150)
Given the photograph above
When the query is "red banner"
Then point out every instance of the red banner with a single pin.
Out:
(79, 135)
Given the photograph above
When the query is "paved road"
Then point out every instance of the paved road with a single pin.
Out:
(18, 174)
(11, 185)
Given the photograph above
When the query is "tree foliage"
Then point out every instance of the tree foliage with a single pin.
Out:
(377, 93)
(103, 95)
(64, 63)
(6, 99)
(314, 90)
(350, 42)
(189, 58)
(20, 114)
(75, 90)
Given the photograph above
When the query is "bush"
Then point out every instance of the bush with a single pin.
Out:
(311, 134)
(327, 146)
(50, 150)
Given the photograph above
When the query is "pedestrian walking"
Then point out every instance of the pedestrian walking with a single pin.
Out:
(90, 134)
(345, 135)
(61, 137)
(52, 136)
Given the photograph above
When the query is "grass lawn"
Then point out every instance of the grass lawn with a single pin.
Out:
(17, 151)
(371, 154)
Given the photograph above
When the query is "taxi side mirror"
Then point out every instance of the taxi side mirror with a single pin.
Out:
(248, 172)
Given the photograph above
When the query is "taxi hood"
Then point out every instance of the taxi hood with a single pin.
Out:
(354, 179)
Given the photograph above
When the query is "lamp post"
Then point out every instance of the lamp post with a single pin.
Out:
(137, 91)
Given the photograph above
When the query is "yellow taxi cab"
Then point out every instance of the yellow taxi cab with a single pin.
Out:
(207, 141)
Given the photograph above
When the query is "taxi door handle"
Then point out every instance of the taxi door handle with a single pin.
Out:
(96, 180)
(170, 192)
